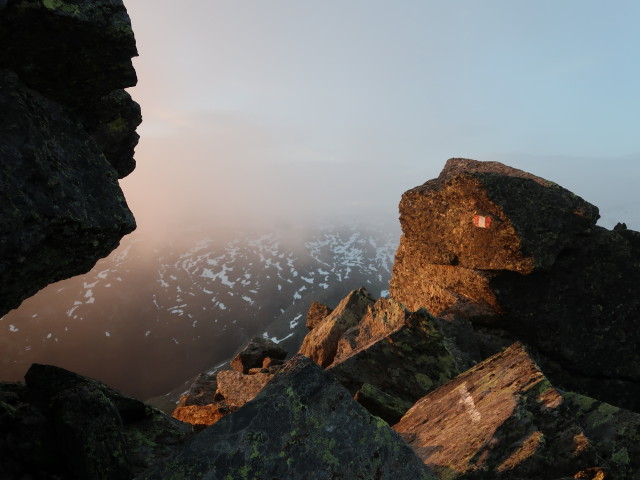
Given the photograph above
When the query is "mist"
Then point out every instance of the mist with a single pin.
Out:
(289, 119)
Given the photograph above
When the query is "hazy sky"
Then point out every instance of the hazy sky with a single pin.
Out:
(300, 109)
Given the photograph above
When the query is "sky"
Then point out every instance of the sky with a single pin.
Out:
(303, 111)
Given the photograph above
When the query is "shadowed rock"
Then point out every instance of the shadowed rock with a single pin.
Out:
(201, 392)
(63, 425)
(501, 419)
(391, 409)
(69, 51)
(615, 433)
(255, 353)
(321, 343)
(67, 133)
(303, 425)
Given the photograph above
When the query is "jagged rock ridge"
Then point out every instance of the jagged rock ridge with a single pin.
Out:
(67, 133)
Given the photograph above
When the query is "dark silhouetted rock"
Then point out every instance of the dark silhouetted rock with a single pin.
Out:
(96, 432)
(317, 312)
(500, 420)
(27, 444)
(399, 352)
(202, 391)
(521, 258)
(71, 52)
(391, 409)
(111, 121)
(303, 425)
(67, 133)
(321, 343)
(254, 354)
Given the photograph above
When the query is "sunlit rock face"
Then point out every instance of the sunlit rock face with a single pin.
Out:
(386, 356)
(521, 258)
(501, 419)
(67, 133)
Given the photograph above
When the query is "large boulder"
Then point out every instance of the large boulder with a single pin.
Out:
(500, 420)
(67, 133)
(488, 216)
(63, 425)
(303, 425)
(521, 258)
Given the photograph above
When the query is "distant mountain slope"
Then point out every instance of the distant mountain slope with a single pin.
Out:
(153, 314)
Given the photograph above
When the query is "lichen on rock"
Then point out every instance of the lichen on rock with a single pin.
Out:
(302, 425)
(501, 419)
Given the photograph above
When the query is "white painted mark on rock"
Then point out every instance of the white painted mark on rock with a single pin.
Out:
(467, 400)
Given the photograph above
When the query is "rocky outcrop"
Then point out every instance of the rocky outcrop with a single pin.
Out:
(401, 353)
(63, 425)
(67, 133)
(488, 216)
(212, 396)
(501, 419)
(321, 343)
(385, 355)
(302, 425)
(521, 258)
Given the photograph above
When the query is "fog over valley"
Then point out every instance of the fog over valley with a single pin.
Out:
(277, 140)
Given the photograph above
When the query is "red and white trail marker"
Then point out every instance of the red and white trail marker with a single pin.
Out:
(481, 221)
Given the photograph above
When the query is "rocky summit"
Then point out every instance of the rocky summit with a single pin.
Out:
(67, 133)
(521, 258)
